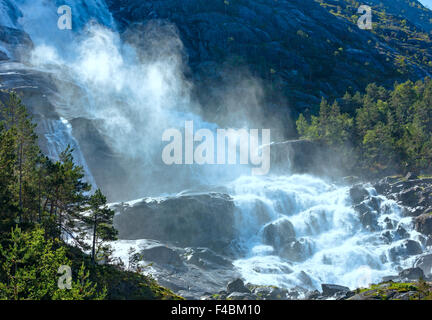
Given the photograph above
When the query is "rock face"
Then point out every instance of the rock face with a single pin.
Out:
(414, 194)
(291, 45)
(16, 43)
(189, 220)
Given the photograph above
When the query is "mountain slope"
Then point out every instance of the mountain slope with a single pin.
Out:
(301, 49)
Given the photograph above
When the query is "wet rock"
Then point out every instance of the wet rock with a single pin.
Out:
(16, 41)
(423, 224)
(388, 223)
(305, 279)
(367, 216)
(313, 295)
(279, 233)
(401, 232)
(369, 220)
(358, 193)
(206, 258)
(412, 247)
(425, 264)
(161, 254)
(410, 197)
(329, 290)
(374, 203)
(237, 286)
(298, 250)
(191, 220)
(412, 274)
(387, 236)
(406, 248)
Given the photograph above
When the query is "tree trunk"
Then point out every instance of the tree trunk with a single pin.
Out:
(94, 238)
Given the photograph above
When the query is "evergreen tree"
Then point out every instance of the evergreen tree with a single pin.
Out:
(101, 219)
(7, 180)
(29, 265)
(14, 117)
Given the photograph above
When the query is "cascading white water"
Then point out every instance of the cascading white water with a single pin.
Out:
(333, 245)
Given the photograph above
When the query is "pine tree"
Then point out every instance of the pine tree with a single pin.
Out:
(14, 117)
(101, 219)
(7, 180)
(66, 198)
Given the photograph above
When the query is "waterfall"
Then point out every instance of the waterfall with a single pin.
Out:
(330, 246)
(58, 134)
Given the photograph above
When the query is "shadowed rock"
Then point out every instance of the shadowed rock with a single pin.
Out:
(197, 220)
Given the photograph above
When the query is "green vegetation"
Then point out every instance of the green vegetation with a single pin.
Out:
(420, 290)
(379, 132)
(392, 29)
(43, 204)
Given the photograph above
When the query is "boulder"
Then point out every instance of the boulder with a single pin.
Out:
(423, 224)
(401, 232)
(313, 295)
(425, 264)
(237, 286)
(329, 290)
(410, 197)
(367, 216)
(412, 274)
(298, 250)
(190, 220)
(279, 233)
(270, 292)
(161, 254)
(358, 193)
